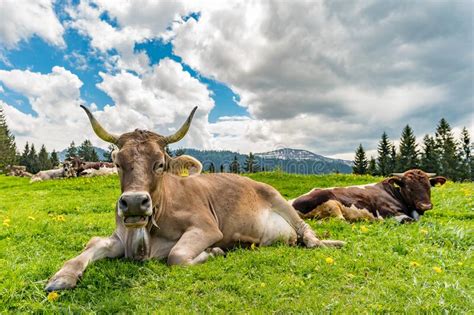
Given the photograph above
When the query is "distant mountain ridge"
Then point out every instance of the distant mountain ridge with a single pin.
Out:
(298, 154)
(289, 160)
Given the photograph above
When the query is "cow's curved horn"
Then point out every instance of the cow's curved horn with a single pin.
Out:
(431, 174)
(99, 130)
(178, 135)
(398, 174)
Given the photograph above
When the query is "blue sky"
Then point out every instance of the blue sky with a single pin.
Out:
(324, 76)
(39, 56)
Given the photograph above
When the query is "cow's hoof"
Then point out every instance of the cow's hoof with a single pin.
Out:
(216, 251)
(61, 283)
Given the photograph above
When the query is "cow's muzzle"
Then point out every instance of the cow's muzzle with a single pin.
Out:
(135, 207)
(424, 206)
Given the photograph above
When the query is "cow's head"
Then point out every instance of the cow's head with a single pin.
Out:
(142, 163)
(415, 188)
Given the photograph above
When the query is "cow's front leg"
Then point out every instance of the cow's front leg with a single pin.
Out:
(195, 247)
(97, 248)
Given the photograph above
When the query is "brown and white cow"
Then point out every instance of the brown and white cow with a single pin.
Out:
(63, 172)
(404, 196)
(185, 220)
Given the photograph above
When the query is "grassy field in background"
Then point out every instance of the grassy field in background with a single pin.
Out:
(426, 266)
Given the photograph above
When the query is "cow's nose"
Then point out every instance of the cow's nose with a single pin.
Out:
(425, 206)
(135, 204)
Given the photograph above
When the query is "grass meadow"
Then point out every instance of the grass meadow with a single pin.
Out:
(385, 267)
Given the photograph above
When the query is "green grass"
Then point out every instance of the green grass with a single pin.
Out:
(371, 274)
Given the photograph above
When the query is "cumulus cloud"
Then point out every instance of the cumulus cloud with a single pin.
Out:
(349, 69)
(137, 21)
(23, 19)
(160, 100)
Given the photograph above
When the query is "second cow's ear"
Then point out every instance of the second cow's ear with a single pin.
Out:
(184, 165)
(395, 180)
(437, 180)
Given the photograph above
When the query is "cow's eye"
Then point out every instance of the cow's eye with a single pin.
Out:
(158, 166)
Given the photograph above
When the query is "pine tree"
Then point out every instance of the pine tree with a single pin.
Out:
(408, 158)
(54, 159)
(43, 159)
(235, 165)
(372, 168)
(250, 165)
(87, 152)
(222, 168)
(7, 144)
(33, 161)
(447, 151)
(429, 160)
(24, 156)
(360, 161)
(212, 168)
(465, 155)
(71, 151)
(383, 160)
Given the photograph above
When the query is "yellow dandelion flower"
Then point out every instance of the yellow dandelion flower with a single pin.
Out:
(53, 296)
(437, 269)
(6, 224)
(252, 247)
(414, 264)
(353, 227)
(263, 285)
(424, 231)
(364, 229)
(31, 218)
(6, 220)
(329, 260)
(60, 218)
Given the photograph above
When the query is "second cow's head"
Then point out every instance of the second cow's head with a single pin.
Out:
(415, 188)
(142, 164)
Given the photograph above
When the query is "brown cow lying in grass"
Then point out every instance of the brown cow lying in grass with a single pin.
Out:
(185, 220)
(404, 196)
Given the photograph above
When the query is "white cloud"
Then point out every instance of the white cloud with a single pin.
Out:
(137, 21)
(312, 71)
(23, 19)
(160, 100)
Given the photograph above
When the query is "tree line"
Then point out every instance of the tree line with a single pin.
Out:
(33, 160)
(250, 165)
(441, 154)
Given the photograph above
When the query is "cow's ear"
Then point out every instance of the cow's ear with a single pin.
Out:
(437, 180)
(184, 165)
(395, 180)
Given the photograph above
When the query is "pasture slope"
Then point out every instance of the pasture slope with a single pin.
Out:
(385, 267)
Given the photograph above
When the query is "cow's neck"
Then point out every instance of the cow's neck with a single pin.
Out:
(395, 193)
